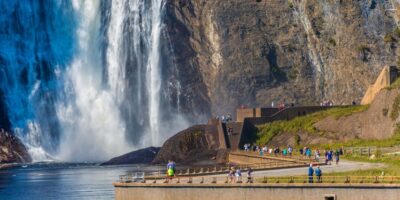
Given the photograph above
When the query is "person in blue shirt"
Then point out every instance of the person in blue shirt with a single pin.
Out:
(310, 174)
(329, 157)
(171, 164)
(318, 173)
(308, 153)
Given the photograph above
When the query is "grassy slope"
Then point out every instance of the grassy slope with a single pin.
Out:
(302, 124)
(305, 124)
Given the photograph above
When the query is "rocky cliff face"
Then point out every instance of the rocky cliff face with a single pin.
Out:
(12, 150)
(254, 52)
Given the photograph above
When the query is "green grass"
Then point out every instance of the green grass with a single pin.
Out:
(389, 142)
(302, 124)
(396, 83)
(391, 168)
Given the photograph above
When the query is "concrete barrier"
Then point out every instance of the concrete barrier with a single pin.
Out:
(134, 191)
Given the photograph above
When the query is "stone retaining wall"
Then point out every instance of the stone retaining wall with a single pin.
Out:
(142, 191)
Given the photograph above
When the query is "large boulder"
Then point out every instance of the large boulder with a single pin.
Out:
(141, 156)
(193, 145)
(12, 150)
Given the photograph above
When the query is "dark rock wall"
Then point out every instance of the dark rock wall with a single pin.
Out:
(12, 150)
(254, 52)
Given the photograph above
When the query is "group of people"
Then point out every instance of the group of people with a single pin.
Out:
(305, 152)
(225, 118)
(318, 174)
(235, 175)
(326, 103)
(282, 105)
(329, 155)
(287, 151)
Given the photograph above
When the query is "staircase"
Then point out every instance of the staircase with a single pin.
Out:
(235, 135)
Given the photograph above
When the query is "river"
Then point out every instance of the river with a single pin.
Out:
(43, 181)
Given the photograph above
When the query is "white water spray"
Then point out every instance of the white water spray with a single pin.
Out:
(92, 125)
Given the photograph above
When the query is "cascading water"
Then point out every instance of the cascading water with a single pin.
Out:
(91, 123)
(36, 44)
(100, 88)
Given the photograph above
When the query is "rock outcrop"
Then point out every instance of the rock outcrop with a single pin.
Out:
(191, 146)
(141, 156)
(254, 52)
(12, 150)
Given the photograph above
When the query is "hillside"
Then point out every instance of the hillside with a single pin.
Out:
(378, 121)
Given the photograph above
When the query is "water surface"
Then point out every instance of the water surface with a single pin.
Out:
(62, 181)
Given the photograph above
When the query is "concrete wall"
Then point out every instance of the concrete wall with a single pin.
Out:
(286, 114)
(216, 124)
(142, 191)
(243, 113)
(250, 159)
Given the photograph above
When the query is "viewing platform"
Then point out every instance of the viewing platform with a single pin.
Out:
(274, 188)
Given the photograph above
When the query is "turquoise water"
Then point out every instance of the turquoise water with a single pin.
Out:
(62, 181)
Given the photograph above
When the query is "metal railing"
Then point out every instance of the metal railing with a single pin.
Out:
(327, 180)
(204, 171)
(133, 177)
(368, 151)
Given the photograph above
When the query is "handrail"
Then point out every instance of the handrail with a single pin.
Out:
(326, 180)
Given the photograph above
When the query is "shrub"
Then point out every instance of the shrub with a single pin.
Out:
(394, 114)
(293, 73)
(291, 5)
(397, 32)
(363, 48)
(388, 38)
(332, 41)
(297, 139)
(385, 111)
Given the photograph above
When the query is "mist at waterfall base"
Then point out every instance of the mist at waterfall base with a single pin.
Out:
(87, 80)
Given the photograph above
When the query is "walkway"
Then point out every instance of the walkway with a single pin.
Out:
(343, 166)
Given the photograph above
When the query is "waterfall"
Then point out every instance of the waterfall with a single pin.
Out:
(96, 82)
(92, 127)
(153, 73)
(36, 45)
(117, 96)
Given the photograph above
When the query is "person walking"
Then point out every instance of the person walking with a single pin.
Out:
(329, 157)
(249, 175)
(318, 173)
(238, 175)
(310, 174)
(231, 175)
(171, 174)
(337, 154)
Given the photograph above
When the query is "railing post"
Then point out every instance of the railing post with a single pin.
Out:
(214, 180)
(376, 179)
(265, 180)
(348, 179)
